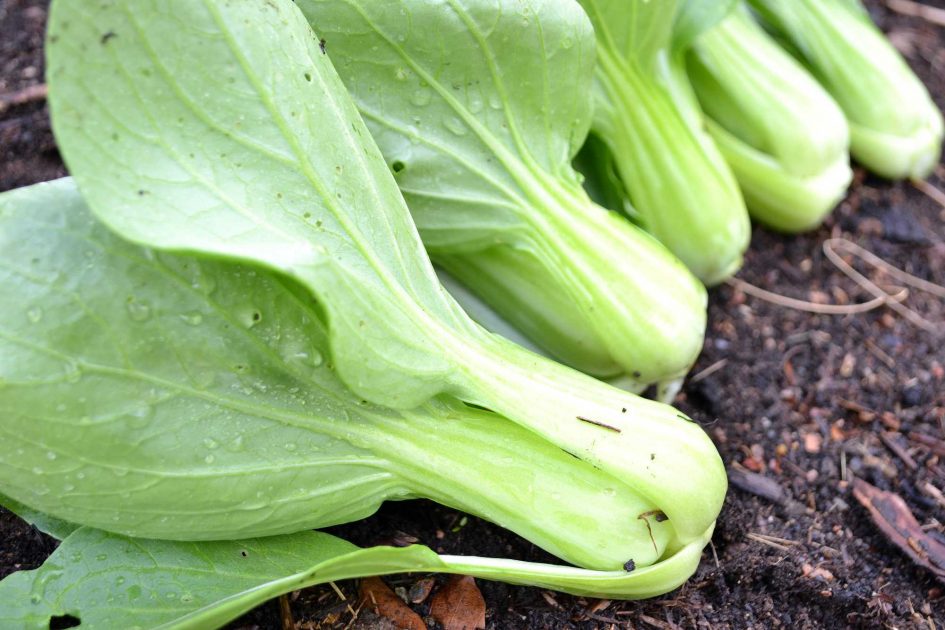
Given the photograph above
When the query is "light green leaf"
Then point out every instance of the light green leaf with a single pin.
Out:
(108, 581)
(895, 129)
(468, 106)
(172, 397)
(786, 140)
(253, 152)
(696, 17)
(682, 189)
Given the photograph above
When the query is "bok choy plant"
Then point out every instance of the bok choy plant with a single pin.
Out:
(683, 191)
(895, 128)
(185, 396)
(467, 103)
(194, 424)
(784, 137)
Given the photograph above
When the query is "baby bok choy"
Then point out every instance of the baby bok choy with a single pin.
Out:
(677, 181)
(784, 137)
(221, 130)
(895, 128)
(193, 420)
(478, 108)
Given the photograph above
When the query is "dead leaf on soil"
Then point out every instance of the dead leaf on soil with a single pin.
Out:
(459, 605)
(895, 520)
(377, 597)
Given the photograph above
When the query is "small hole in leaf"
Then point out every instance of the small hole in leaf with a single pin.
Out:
(398, 166)
(59, 622)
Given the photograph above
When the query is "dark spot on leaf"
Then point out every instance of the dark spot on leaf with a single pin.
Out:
(142, 192)
(257, 316)
(244, 553)
(397, 166)
(323, 45)
(629, 565)
(60, 622)
(636, 374)
(107, 36)
(308, 77)
(652, 456)
(623, 410)
(660, 517)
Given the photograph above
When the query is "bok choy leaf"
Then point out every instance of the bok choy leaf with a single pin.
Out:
(143, 397)
(683, 191)
(895, 128)
(110, 581)
(478, 108)
(785, 138)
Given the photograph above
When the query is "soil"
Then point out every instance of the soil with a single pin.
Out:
(806, 401)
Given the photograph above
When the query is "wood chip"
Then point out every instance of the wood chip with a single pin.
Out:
(894, 519)
(459, 605)
(758, 485)
(377, 597)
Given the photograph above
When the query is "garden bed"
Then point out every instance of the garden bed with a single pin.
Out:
(799, 405)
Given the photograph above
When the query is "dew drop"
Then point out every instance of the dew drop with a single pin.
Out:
(193, 318)
(495, 102)
(138, 311)
(68, 487)
(134, 592)
(211, 443)
(475, 104)
(34, 315)
(567, 43)
(401, 74)
(249, 316)
(101, 557)
(209, 459)
(51, 455)
(456, 126)
(290, 446)
(140, 417)
(610, 492)
(421, 97)
(236, 444)
(37, 470)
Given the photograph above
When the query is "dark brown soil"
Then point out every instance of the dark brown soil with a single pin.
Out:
(808, 401)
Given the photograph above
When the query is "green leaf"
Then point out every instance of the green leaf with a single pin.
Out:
(227, 155)
(468, 107)
(785, 138)
(108, 581)
(205, 408)
(682, 189)
(896, 129)
(696, 17)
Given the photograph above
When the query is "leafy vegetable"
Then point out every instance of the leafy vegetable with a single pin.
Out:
(227, 132)
(467, 103)
(109, 581)
(683, 191)
(782, 134)
(895, 128)
(142, 397)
